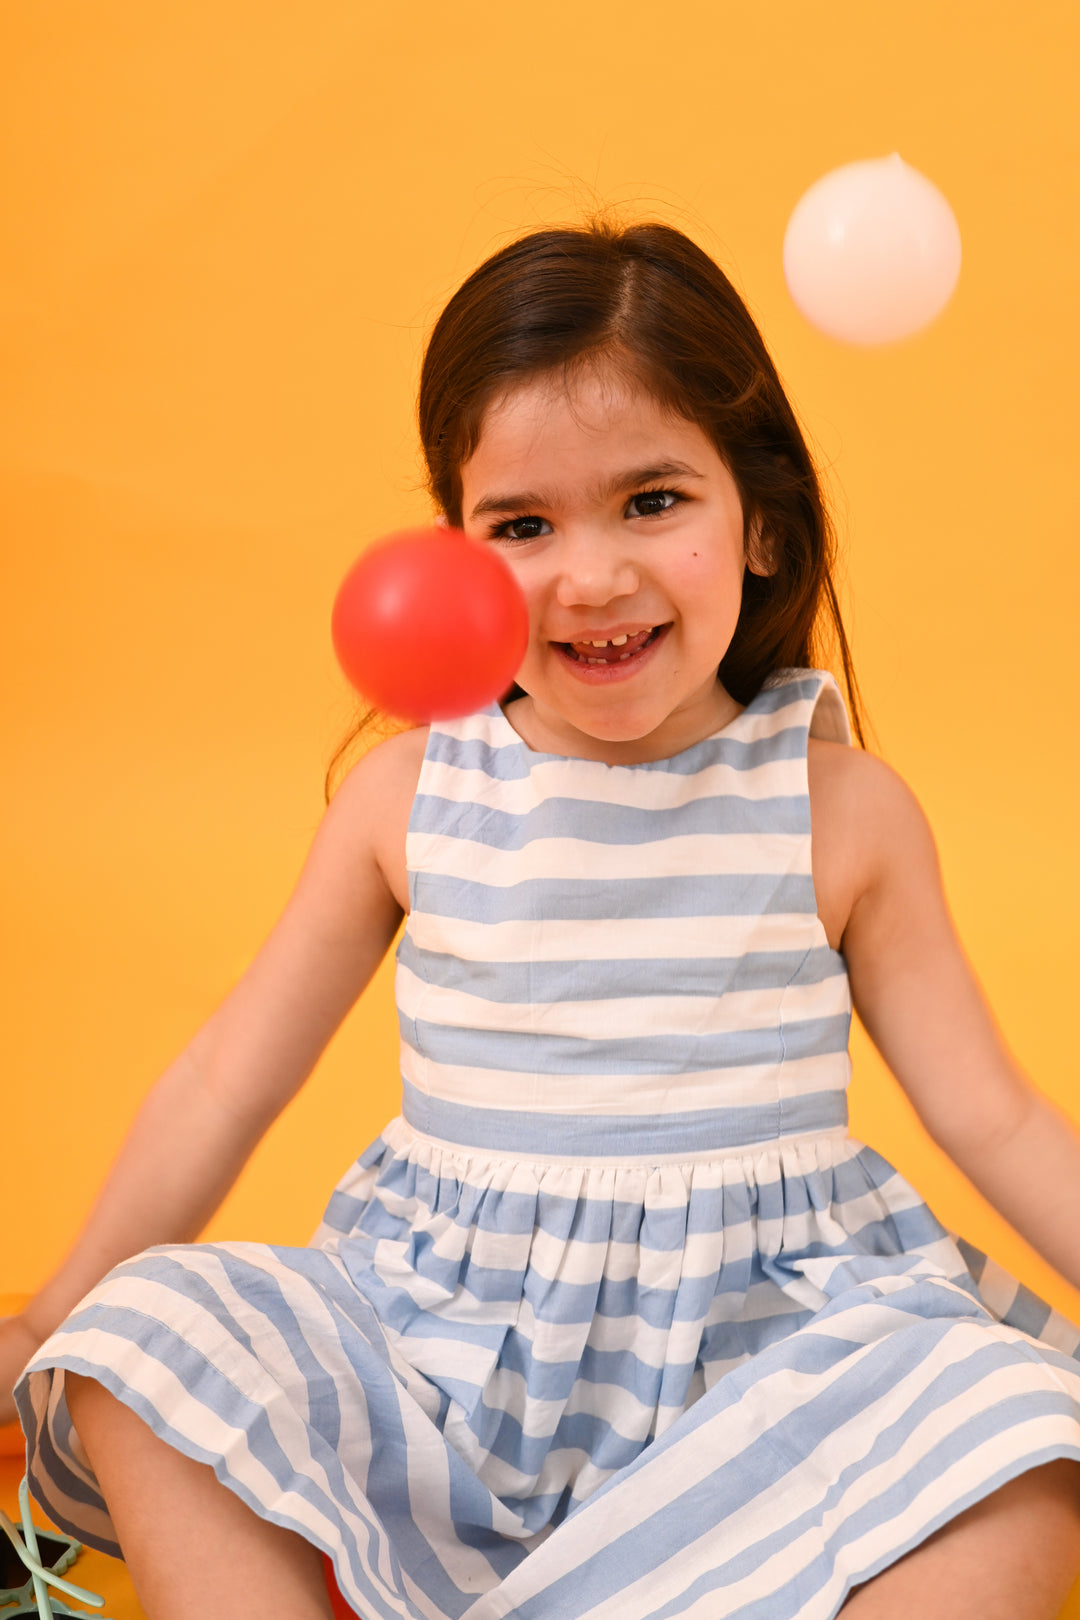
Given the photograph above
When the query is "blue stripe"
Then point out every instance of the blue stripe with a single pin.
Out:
(974, 1258)
(511, 761)
(516, 1050)
(619, 1135)
(597, 821)
(1027, 1313)
(736, 894)
(594, 978)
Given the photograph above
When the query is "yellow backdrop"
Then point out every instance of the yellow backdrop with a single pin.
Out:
(229, 226)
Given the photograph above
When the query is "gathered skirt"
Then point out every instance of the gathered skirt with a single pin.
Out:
(735, 1385)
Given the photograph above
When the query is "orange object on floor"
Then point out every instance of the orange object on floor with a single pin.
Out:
(12, 1441)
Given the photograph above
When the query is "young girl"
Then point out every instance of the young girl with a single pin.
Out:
(615, 1320)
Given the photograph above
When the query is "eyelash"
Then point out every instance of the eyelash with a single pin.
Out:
(498, 531)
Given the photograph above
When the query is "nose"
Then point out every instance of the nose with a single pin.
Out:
(593, 568)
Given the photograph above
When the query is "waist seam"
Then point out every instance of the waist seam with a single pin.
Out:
(619, 1161)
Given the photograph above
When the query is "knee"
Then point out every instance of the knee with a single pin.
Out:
(1060, 1477)
(1042, 1504)
(1058, 1481)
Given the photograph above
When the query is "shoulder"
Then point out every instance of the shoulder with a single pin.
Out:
(869, 833)
(852, 782)
(389, 765)
(379, 791)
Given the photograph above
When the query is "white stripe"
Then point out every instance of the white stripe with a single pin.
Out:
(1062, 1334)
(727, 1012)
(614, 939)
(555, 859)
(527, 1092)
(648, 1183)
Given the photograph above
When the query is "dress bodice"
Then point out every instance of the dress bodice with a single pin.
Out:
(614, 960)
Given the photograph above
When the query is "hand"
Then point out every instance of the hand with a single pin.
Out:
(18, 1341)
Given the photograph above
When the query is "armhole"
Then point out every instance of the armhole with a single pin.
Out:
(828, 723)
(828, 716)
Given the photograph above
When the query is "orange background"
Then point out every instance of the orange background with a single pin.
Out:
(227, 229)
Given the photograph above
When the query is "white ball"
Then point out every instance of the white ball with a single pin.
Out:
(872, 251)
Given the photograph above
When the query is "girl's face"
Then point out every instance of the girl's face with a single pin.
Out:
(617, 520)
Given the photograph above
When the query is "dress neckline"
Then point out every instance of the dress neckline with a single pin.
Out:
(537, 754)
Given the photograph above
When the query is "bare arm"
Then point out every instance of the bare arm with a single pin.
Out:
(202, 1119)
(1032, 1176)
(922, 1006)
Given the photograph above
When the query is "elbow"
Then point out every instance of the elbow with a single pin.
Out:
(988, 1129)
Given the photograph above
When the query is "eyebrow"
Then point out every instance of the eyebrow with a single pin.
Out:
(626, 480)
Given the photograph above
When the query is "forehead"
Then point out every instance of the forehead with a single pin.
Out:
(580, 423)
(556, 441)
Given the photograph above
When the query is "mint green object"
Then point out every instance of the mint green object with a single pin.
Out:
(54, 1549)
(33, 1598)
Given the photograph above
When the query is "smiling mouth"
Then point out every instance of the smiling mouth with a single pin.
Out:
(610, 654)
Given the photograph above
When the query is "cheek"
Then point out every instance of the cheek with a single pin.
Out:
(704, 569)
(710, 590)
(531, 594)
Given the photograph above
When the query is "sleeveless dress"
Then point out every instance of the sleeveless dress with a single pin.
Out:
(615, 1320)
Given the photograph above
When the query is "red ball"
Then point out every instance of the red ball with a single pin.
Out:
(429, 624)
(342, 1610)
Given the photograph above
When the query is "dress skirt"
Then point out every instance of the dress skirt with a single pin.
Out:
(731, 1385)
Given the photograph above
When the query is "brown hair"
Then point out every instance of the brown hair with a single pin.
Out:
(646, 300)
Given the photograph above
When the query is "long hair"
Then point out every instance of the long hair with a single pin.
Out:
(645, 300)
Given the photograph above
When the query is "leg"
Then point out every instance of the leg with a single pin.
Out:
(190, 1543)
(1013, 1556)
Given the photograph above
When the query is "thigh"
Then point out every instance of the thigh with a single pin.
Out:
(190, 1543)
(1012, 1556)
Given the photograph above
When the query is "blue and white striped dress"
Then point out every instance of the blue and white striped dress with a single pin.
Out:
(615, 1320)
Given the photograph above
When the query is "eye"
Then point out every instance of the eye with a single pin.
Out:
(506, 530)
(653, 502)
(651, 499)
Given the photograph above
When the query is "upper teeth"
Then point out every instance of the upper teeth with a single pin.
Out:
(616, 641)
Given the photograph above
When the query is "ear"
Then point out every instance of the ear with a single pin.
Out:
(760, 555)
(442, 521)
